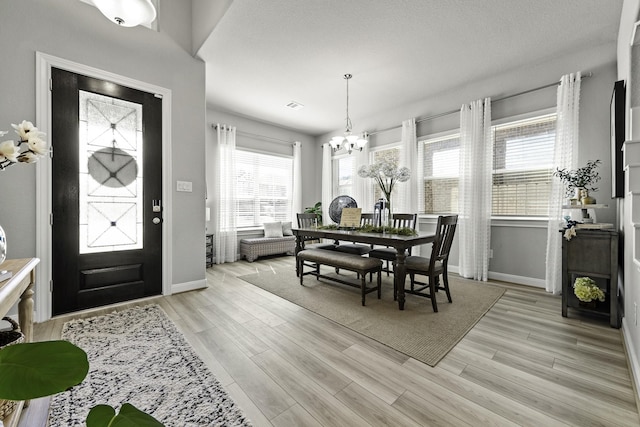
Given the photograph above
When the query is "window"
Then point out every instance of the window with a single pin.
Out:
(343, 175)
(522, 162)
(392, 155)
(523, 166)
(441, 171)
(264, 188)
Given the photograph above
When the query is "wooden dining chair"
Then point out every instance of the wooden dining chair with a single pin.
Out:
(434, 266)
(309, 220)
(388, 255)
(358, 248)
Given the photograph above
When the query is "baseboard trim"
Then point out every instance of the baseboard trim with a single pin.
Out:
(188, 286)
(632, 359)
(511, 278)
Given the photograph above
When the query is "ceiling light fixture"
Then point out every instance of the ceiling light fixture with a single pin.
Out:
(127, 13)
(349, 141)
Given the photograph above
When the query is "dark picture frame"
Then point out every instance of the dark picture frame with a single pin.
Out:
(617, 138)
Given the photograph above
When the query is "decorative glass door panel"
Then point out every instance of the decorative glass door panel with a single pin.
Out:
(110, 174)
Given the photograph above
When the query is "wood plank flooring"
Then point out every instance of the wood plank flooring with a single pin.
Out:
(523, 364)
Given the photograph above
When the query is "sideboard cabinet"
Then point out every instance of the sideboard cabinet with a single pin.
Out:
(19, 289)
(594, 254)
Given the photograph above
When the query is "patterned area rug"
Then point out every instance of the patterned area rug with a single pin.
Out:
(139, 356)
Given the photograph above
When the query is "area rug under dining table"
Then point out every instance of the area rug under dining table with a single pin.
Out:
(415, 331)
(139, 356)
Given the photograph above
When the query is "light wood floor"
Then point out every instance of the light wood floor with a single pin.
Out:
(522, 364)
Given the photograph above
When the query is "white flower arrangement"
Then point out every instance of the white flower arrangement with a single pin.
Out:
(387, 174)
(31, 141)
(587, 290)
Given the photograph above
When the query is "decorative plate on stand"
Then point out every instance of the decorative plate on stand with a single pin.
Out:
(339, 203)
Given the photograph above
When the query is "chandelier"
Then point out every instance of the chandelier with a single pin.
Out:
(348, 140)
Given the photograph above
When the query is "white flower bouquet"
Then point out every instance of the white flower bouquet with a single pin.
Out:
(31, 143)
(587, 290)
(386, 173)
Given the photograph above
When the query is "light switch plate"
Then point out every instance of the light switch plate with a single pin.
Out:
(186, 186)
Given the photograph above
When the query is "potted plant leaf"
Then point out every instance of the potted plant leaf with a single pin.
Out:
(580, 181)
(315, 209)
(33, 370)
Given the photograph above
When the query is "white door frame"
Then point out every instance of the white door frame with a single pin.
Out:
(44, 62)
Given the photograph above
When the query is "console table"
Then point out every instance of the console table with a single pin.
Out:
(594, 254)
(19, 289)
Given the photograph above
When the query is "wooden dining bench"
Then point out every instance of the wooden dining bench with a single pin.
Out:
(344, 261)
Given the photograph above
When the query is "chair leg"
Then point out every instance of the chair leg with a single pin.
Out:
(301, 270)
(317, 271)
(387, 268)
(432, 291)
(380, 284)
(363, 284)
(445, 281)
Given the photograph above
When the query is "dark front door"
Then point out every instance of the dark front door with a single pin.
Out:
(106, 190)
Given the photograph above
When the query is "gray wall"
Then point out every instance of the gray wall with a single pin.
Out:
(519, 246)
(78, 32)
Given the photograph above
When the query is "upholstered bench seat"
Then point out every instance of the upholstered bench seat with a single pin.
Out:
(253, 248)
(341, 260)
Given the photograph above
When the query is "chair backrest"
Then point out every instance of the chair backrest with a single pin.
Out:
(401, 220)
(445, 229)
(367, 219)
(307, 220)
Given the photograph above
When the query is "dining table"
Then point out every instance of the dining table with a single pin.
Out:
(400, 243)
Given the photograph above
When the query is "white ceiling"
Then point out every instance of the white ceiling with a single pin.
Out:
(265, 53)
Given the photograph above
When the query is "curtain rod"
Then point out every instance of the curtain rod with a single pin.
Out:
(255, 135)
(447, 113)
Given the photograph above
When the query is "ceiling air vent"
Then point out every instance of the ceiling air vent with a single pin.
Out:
(295, 105)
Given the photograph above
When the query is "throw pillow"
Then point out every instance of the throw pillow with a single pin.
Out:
(273, 229)
(286, 229)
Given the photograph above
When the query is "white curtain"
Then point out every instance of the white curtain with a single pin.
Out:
(225, 222)
(474, 200)
(565, 156)
(362, 190)
(296, 203)
(327, 183)
(408, 157)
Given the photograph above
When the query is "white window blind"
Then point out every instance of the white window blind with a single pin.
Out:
(264, 188)
(523, 166)
(523, 156)
(441, 172)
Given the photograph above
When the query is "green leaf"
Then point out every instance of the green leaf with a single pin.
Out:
(130, 416)
(100, 416)
(32, 370)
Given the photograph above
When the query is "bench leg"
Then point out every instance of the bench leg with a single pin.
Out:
(363, 286)
(317, 271)
(379, 284)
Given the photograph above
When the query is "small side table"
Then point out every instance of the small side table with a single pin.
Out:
(592, 253)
